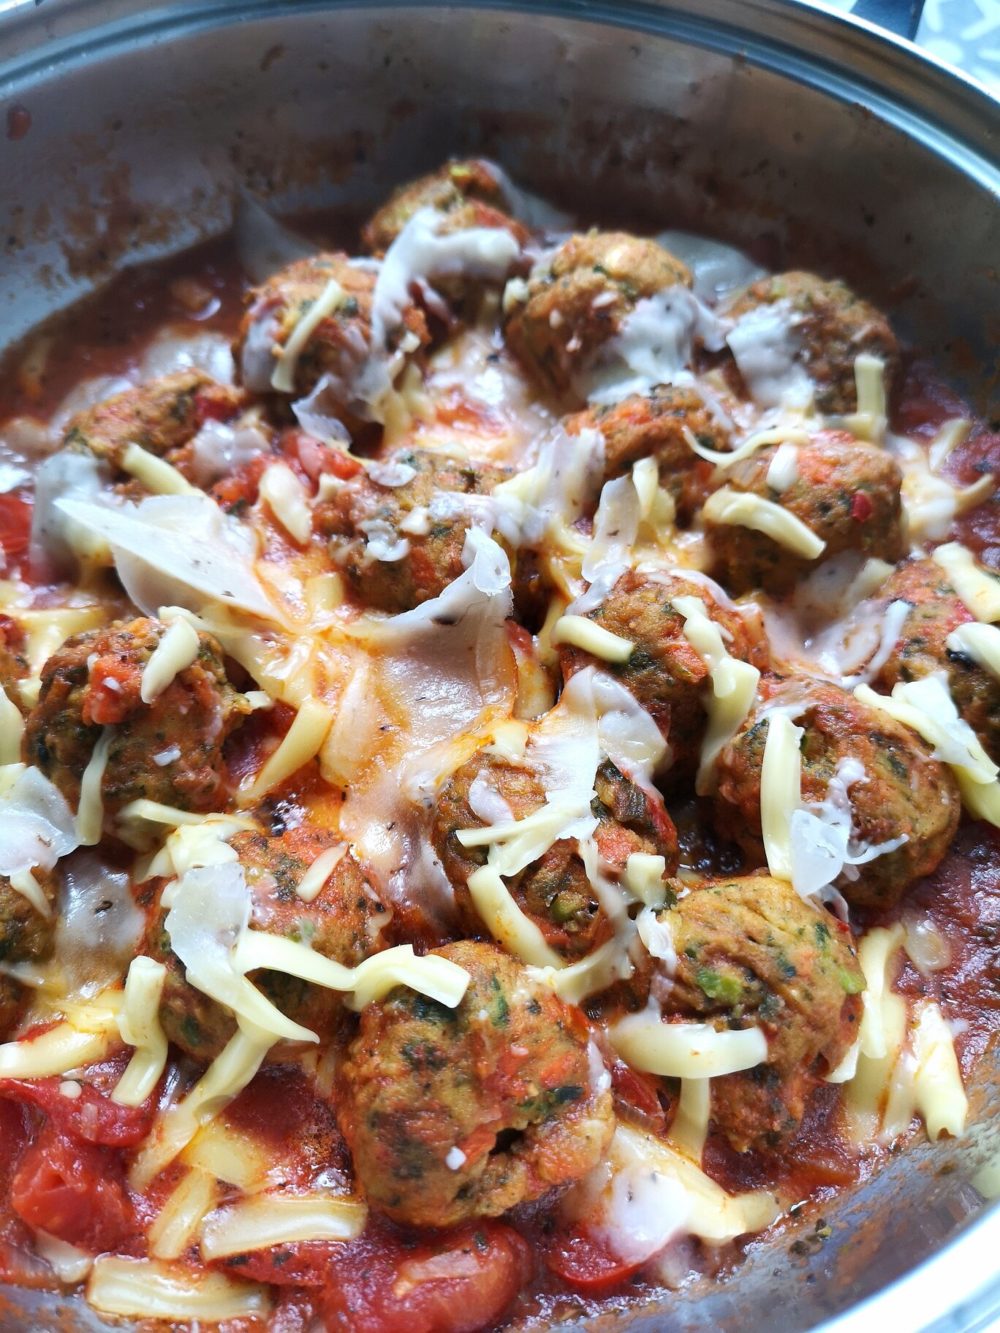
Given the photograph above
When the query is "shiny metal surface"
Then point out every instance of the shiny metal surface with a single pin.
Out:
(807, 138)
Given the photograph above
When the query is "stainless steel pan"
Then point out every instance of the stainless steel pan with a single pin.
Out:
(807, 138)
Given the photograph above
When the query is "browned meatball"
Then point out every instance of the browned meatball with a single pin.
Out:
(921, 648)
(553, 891)
(13, 663)
(832, 326)
(470, 193)
(845, 492)
(162, 417)
(169, 750)
(419, 535)
(460, 1113)
(25, 937)
(904, 793)
(343, 922)
(655, 426)
(338, 348)
(664, 671)
(577, 301)
(751, 953)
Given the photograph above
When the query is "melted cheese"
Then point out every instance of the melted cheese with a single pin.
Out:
(780, 791)
(176, 1225)
(978, 588)
(937, 1081)
(315, 879)
(648, 1192)
(761, 439)
(90, 813)
(276, 1219)
(175, 652)
(90, 1035)
(283, 375)
(734, 686)
(927, 707)
(156, 474)
(643, 878)
(584, 633)
(224, 1079)
(287, 498)
(372, 979)
(745, 510)
(768, 351)
(949, 437)
(686, 1050)
(302, 742)
(139, 1025)
(229, 1155)
(574, 982)
(208, 913)
(69, 1263)
(869, 421)
(506, 922)
(980, 642)
(11, 730)
(148, 1289)
(689, 1129)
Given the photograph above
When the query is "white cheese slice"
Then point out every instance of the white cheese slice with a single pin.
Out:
(745, 510)
(90, 1035)
(36, 825)
(209, 909)
(11, 730)
(768, 351)
(177, 550)
(600, 969)
(783, 470)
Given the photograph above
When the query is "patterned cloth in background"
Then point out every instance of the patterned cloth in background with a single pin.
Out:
(965, 33)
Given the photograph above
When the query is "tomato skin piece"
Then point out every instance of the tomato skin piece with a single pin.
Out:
(91, 1116)
(74, 1191)
(307, 1264)
(15, 525)
(584, 1261)
(458, 1282)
